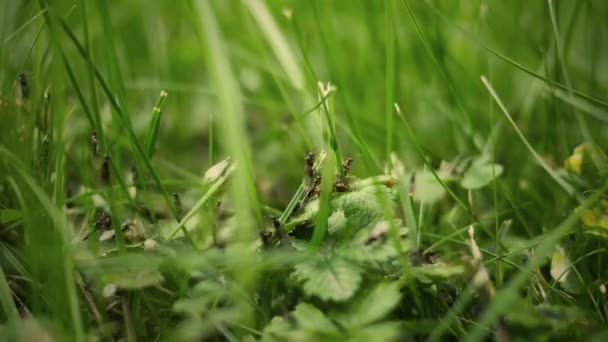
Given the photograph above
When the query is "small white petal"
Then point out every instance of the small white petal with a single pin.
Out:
(150, 244)
(109, 290)
(107, 235)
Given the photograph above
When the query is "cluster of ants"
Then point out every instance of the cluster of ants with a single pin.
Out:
(312, 180)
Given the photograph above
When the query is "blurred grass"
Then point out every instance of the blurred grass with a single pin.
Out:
(256, 66)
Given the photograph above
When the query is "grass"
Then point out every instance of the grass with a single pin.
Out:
(474, 209)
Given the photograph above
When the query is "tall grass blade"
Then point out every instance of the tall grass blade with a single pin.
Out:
(327, 189)
(154, 126)
(277, 41)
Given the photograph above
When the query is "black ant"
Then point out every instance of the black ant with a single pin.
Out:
(104, 174)
(24, 83)
(94, 144)
(276, 224)
(103, 220)
(341, 184)
(308, 169)
(346, 164)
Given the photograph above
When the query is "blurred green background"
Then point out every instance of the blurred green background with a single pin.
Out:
(143, 47)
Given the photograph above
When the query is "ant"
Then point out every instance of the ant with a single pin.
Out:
(309, 170)
(24, 84)
(103, 220)
(104, 174)
(341, 184)
(94, 144)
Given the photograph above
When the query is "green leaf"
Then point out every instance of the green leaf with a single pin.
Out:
(373, 305)
(308, 317)
(276, 330)
(372, 244)
(560, 265)
(363, 207)
(137, 272)
(480, 174)
(337, 221)
(328, 277)
(387, 331)
(427, 188)
(280, 330)
(203, 295)
(134, 279)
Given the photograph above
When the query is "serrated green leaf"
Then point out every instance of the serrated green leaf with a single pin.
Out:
(277, 327)
(480, 174)
(308, 317)
(360, 207)
(372, 245)
(280, 330)
(372, 306)
(328, 277)
(363, 207)
(336, 222)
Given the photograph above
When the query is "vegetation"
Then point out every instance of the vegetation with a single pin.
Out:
(303, 170)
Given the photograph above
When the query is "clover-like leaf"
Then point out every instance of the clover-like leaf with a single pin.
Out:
(427, 188)
(560, 265)
(480, 174)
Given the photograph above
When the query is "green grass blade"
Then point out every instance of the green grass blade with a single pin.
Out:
(22, 27)
(277, 41)
(584, 106)
(213, 189)
(64, 229)
(562, 62)
(154, 126)
(91, 73)
(327, 188)
(6, 299)
(210, 150)
(389, 79)
(231, 118)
